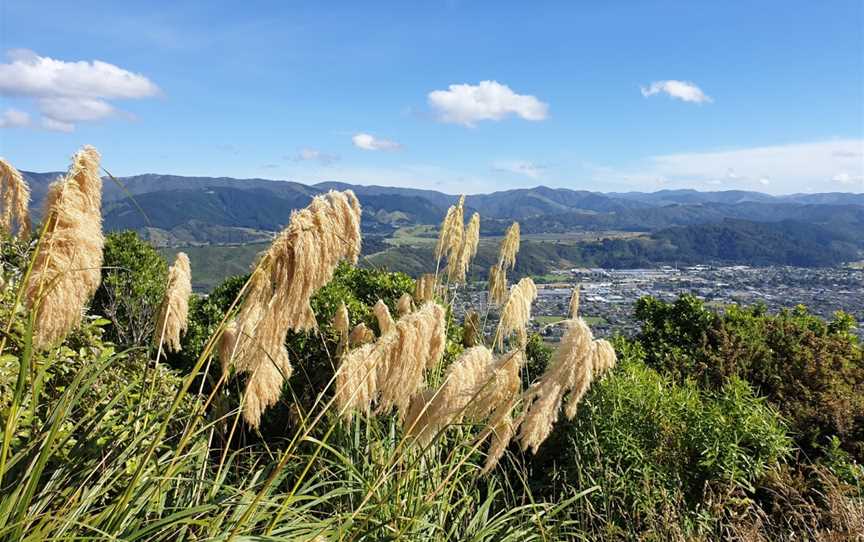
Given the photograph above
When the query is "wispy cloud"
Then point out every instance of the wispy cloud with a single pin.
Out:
(822, 165)
(13, 118)
(315, 155)
(66, 93)
(368, 142)
(520, 167)
(681, 90)
(489, 100)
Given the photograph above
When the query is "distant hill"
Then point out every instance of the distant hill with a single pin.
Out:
(176, 210)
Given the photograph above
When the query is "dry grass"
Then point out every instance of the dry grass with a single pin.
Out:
(424, 288)
(15, 199)
(174, 312)
(67, 268)
(405, 305)
(497, 285)
(509, 247)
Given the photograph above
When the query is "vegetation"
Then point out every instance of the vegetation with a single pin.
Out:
(733, 425)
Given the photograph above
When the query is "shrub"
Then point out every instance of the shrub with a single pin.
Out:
(661, 453)
(134, 277)
(812, 370)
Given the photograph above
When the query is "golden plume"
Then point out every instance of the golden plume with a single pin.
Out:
(399, 358)
(341, 320)
(405, 305)
(452, 231)
(476, 388)
(574, 302)
(301, 260)
(458, 269)
(174, 312)
(497, 285)
(570, 370)
(382, 314)
(509, 247)
(517, 310)
(15, 199)
(424, 288)
(360, 335)
(67, 267)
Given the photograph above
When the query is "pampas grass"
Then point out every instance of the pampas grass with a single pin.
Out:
(299, 262)
(451, 234)
(509, 247)
(360, 335)
(400, 359)
(457, 270)
(67, 267)
(15, 199)
(405, 305)
(424, 289)
(171, 321)
(382, 314)
(570, 371)
(573, 310)
(478, 389)
(517, 310)
(341, 320)
(497, 285)
(604, 359)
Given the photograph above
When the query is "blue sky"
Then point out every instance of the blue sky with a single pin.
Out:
(454, 95)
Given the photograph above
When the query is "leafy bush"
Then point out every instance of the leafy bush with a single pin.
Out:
(812, 370)
(659, 452)
(134, 277)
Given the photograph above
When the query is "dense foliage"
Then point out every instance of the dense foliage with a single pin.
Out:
(134, 277)
(812, 370)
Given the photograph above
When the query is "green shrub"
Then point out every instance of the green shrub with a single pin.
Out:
(812, 370)
(658, 451)
(134, 277)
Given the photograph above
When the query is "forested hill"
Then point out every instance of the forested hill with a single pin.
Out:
(680, 225)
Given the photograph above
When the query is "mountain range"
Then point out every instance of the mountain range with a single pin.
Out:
(175, 210)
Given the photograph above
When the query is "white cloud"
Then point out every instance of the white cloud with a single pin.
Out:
(682, 90)
(488, 100)
(70, 92)
(786, 168)
(368, 142)
(847, 179)
(520, 167)
(13, 118)
(315, 155)
(57, 126)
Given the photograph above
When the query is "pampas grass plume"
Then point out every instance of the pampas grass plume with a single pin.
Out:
(15, 200)
(67, 267)
(517, 310)
(574, 302)
(174, 312)
(382, 314)
(497, 285)
(301, 260)
(360, 335)
(570, 371)
(424, 288)
(452, 232)
(457, 269)
(341, 320)
(405, 305)
(509, 247)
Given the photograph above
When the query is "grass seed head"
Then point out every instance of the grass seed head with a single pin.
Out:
(174, 312)
(15, 201)
(67, 267)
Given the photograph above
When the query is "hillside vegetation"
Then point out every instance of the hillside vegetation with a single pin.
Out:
(313, 399)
